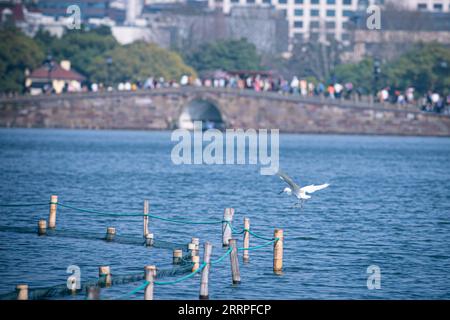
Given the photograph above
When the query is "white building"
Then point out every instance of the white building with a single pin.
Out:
(427, 5)
(133, 10)
(322, 20)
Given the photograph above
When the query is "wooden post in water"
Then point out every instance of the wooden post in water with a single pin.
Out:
(110, 233)
(226, 226)
(196, 263)
(42, 227)
(150, 274)
(196, 241)
(204, 293)
(246, 255)
(93, 293)
(192, 249)
(146, 211)
(235, 273)
(149, 241)
(278, 252)
(22, 292)
(177, 256)
(105, 272)
(52, 213)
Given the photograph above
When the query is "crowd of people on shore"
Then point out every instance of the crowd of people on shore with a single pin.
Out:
(266, 82)
(430, 102)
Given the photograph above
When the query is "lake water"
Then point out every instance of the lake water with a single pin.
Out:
(388, 205)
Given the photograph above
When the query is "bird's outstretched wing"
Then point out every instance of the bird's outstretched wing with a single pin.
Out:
(288, 180)
(313, 188)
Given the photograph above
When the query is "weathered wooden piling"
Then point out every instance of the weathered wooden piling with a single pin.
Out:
(149, 241)
(42, 227)
(52, 213)
(196, 241)
(192, 249)
(150, 274)
(226, 225)
(204, 293)
(22, 291)
(146, 212)
(93, 293)
(196, 262)
(246, 255)
(104, 272)
(177, 256)
(278, 251)
(234, 261)
(110, 233)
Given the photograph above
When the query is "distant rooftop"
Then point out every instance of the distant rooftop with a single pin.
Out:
(57, 73)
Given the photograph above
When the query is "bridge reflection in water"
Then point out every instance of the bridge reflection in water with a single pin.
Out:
(201, 110)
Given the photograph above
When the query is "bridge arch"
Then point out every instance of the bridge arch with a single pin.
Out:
(201, 109)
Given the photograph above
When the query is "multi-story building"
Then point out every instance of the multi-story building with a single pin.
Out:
(427, 5)
(88, 8)
(315, 20)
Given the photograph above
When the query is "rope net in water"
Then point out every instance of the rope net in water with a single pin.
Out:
(62, 290)
(75, 234)
(184, 267)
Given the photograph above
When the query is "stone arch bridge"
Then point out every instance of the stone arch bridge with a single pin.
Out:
(162, 109)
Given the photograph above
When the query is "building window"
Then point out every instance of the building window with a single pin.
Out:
(331, 13)
(345, 37)
(314, 36)
(347, 13)
(282, 1)
(314, 25)
(264, 1)
(298, 1)
(315, 1)
(250, 1)
(330, 25)
(422, 6)
(298, 12)
(314, 13)
(347, 2)
(298, 24)
(331, 1)
(438, 7)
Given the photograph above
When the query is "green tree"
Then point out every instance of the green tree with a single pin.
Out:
(225, 55)
(82, 48)
(426, 67)
(360, 74)
(17, 54)
(136, 62)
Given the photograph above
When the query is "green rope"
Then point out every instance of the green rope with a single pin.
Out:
(244, 230)
(145, 283)
(133, 292)
(260, 246)
(139, 214)
(99, 212)
(258, 236)
(222, 257)
(184, 221)
(182, 278)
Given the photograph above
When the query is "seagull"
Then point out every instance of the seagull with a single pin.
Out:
(300, 193)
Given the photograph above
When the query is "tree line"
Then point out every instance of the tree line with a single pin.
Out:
(100, 58)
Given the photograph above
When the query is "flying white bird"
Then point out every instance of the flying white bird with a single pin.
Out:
(300, 193)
